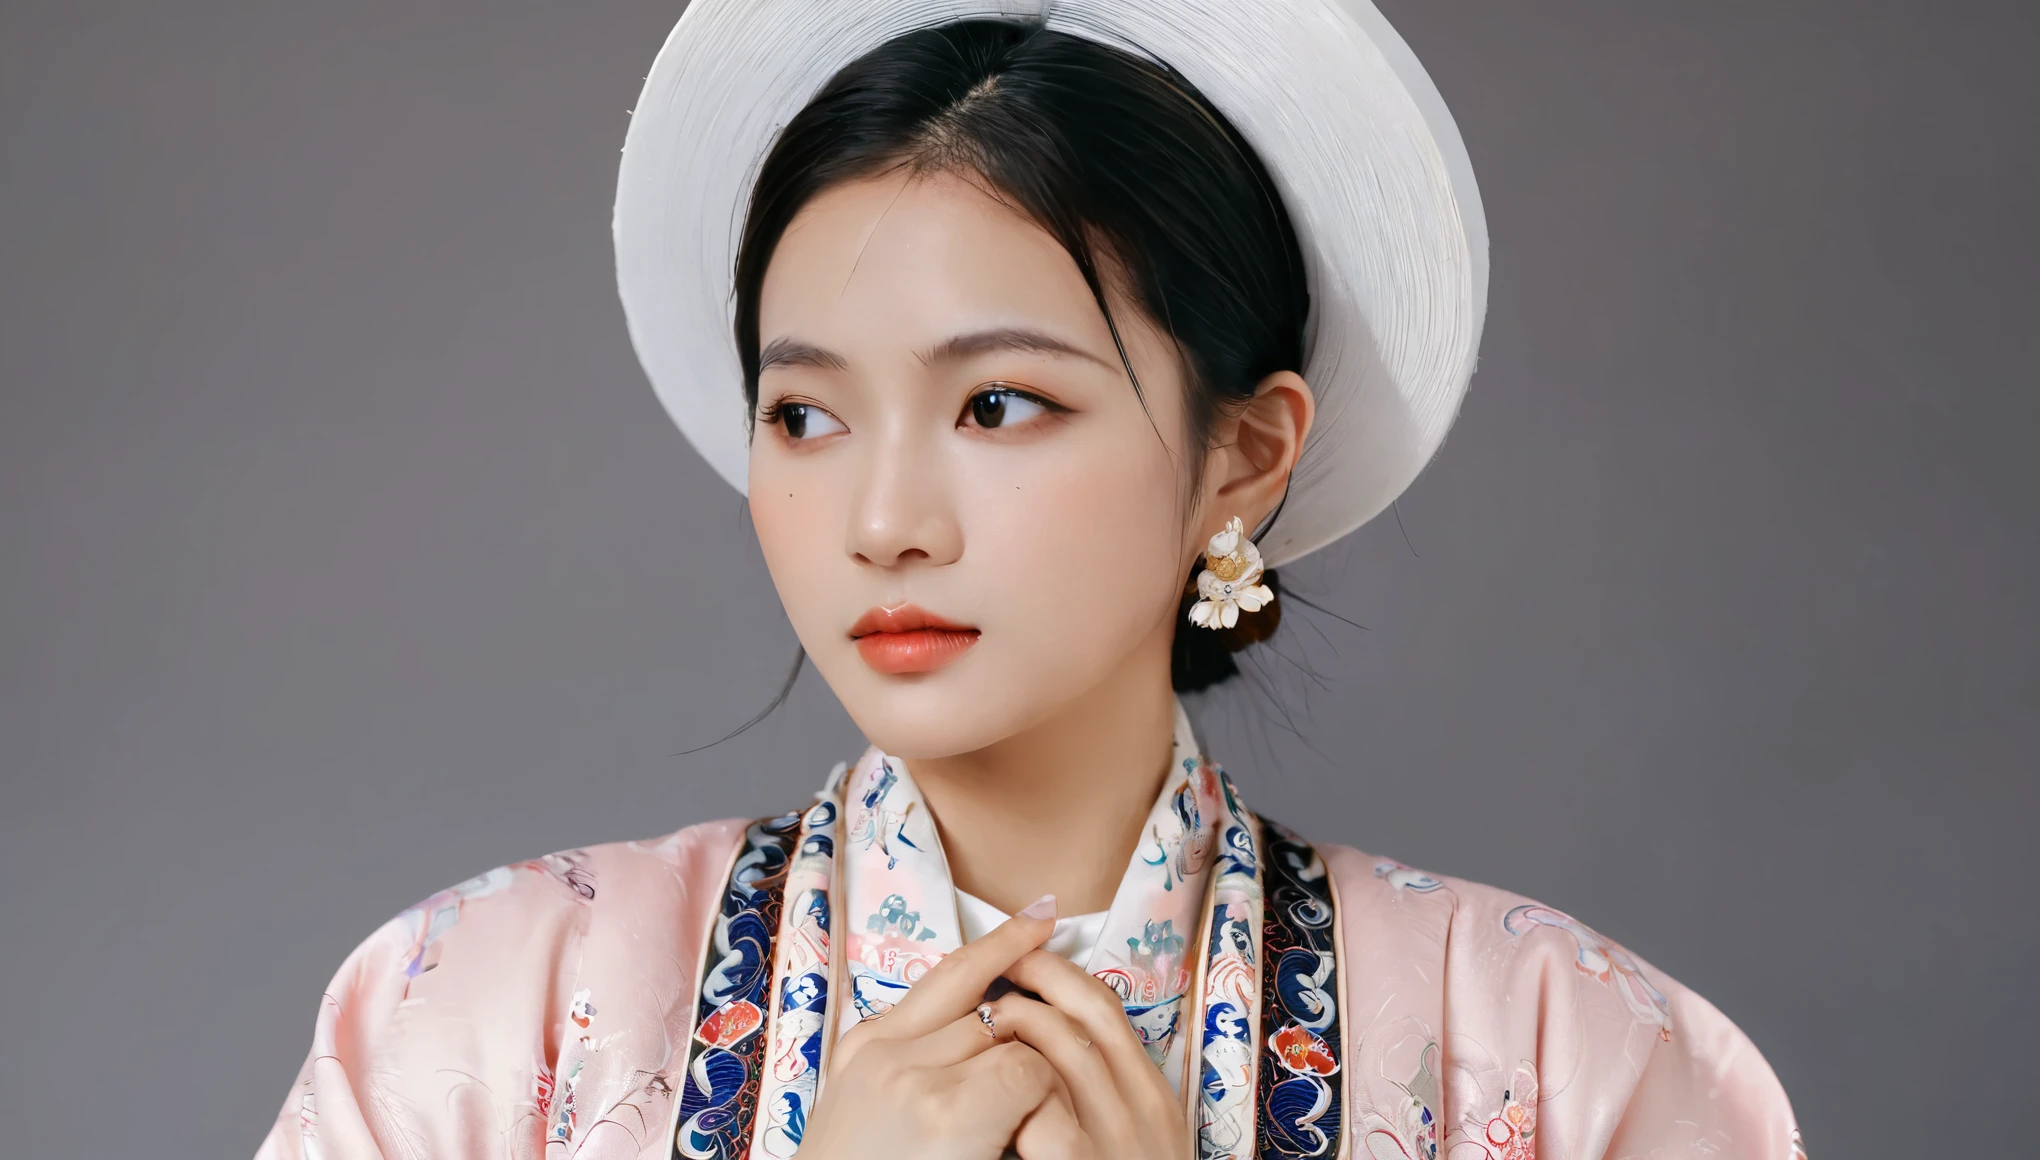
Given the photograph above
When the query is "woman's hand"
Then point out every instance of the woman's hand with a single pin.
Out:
(929, 1081)
(1120, 1105)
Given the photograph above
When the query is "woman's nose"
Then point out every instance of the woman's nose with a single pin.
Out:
(903, 508)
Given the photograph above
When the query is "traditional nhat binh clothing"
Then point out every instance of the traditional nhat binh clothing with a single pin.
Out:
(678, 998)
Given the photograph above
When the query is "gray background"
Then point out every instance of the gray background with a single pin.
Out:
(347, 554)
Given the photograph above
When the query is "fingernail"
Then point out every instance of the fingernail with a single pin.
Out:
(1043, 907)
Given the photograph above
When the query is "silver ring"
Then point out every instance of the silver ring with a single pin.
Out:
(984, 1013)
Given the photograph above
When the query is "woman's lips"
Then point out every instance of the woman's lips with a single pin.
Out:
(909, 639)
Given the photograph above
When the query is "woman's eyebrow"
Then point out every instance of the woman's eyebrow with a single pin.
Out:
(979, 342)
(791, 352)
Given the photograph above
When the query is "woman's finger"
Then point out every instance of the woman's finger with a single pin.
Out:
(957, 983)
(962, 1038)
(1080, 995)
(1095, 1093)
(1000, 1087)
(1053, 1133)
(1096, 1008)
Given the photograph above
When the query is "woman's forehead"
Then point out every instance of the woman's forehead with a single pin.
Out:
(910, 261)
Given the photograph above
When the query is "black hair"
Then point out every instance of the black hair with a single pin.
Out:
(1118, 157)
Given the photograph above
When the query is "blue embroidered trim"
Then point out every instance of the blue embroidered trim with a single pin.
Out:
(801, 1024)
(1232, 970)
(1300, 1096)
(719, 1099)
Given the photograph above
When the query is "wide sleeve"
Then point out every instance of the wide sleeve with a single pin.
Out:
(529, 1012)
(1706, 1091)
(1481, 1025)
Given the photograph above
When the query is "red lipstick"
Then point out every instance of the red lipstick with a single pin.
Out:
(908, 639)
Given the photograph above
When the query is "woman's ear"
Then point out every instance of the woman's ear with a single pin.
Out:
(1255, 449)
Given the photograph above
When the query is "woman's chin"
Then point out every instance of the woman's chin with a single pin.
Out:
(959, 706)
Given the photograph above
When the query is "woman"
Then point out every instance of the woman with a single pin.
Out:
(1047, 352)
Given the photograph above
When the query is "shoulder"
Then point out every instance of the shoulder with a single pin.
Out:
(483, 1009)
(523, 916)
(1517, 1017)
(1496, 952)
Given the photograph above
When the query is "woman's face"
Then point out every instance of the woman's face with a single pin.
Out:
(969, 516)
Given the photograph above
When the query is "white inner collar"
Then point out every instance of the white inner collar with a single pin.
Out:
(1074, 937)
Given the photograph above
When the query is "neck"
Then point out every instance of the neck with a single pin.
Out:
(1058, 808)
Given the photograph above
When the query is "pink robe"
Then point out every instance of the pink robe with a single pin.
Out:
(1477, 1024)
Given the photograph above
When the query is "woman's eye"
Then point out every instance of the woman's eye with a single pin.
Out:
(1000, 407)
(805, 420)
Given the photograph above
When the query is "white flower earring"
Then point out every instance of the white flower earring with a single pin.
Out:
(1231, 579)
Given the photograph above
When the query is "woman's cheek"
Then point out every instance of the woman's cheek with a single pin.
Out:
(798, 534)
(1081, 555)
